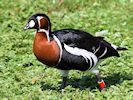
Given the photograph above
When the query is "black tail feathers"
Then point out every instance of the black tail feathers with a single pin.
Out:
(121, 48)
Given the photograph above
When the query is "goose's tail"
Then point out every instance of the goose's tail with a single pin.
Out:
(121, 48)
(118, 48)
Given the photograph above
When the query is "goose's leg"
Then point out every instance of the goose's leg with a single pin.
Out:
(64, 75)
(101, 83)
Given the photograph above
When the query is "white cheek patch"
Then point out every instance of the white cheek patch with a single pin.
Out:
(31, 23)
(59, 44)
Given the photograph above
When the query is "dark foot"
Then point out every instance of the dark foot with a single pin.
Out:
(104, 89)
(63, 85)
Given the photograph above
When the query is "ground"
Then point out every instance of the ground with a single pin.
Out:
(22, 77)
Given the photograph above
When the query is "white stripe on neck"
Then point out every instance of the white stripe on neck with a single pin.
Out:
(38, 19)
(59, 44)
(46, 32)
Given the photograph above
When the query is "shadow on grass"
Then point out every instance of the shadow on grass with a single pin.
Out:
(45, 86)
(90, 82)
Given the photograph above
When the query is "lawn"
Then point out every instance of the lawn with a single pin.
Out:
(22, 77)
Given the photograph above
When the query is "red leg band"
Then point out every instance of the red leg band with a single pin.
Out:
(102, 84)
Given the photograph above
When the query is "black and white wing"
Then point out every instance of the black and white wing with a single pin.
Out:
(81, 50)
(80, 39)
(76, 38)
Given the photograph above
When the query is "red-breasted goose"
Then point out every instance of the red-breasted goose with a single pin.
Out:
(69, 49)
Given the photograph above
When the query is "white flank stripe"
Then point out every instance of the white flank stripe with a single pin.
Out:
(97, 49)
(103, 53)
(82, 52)
(59, 44)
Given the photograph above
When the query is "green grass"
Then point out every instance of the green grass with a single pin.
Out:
(22, 77)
